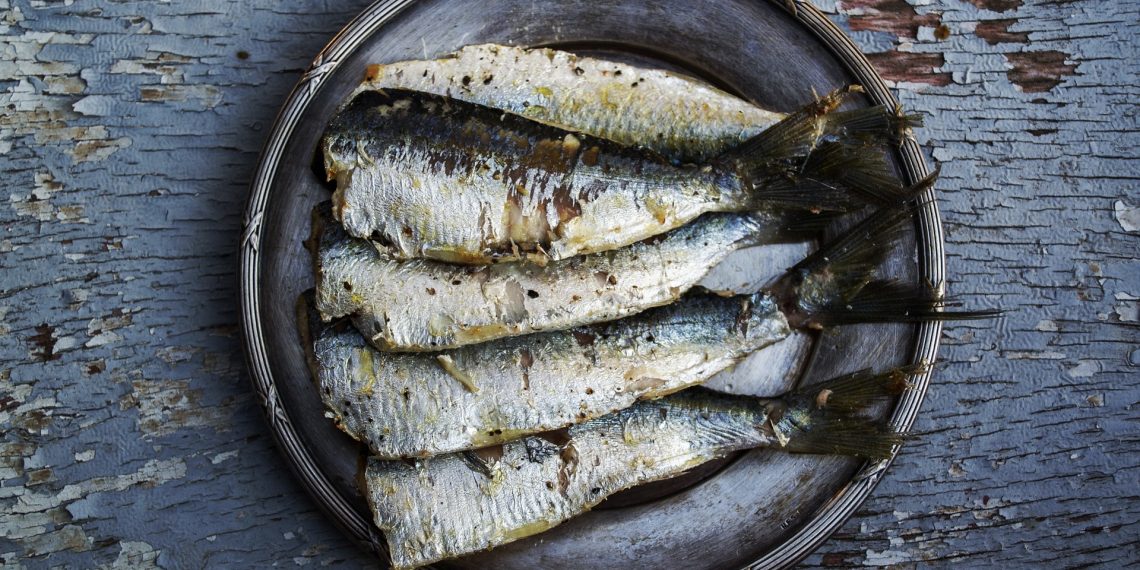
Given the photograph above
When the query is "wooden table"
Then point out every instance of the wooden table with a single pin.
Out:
(130, 437)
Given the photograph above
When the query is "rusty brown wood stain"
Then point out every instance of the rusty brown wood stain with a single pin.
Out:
(911, 67)
(895, 16)
(1039, 71)
(997, 32)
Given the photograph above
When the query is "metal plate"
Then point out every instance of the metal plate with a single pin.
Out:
(759, 509)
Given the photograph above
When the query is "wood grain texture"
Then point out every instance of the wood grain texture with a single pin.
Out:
(129, 436)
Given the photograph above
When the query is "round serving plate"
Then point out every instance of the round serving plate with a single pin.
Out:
(761, 508)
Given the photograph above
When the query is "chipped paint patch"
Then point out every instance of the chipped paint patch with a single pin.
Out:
(895, 16)
(70, 537)
(997, 5)
(911, 67)
(206, 95)
(1127, 215)
(998, 32)
(1084, 369)
(1127, 308)
(135, 556)
(223, 457)
(1034, 355)
(166, 406)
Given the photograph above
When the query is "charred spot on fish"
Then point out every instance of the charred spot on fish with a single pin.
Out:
(743, 317)
(565, 204)
(612, 279)
(589, 391)
(650, 338)
(550, 485)
(487, 79)
(592, 190)
(466, 80)
(347, 286)
(490, 454)
(407, 394)
(583, 338)
(558, 437)
(406, 231)
(532, 293)
(595, 490)
(579, 71)
(381, 239)
(590, 156)
(456, 282)
(538, 450)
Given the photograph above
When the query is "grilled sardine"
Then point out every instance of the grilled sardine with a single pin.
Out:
(456, 504)
(421, 304)
(419, 404)
(683, 119)
(428, 176)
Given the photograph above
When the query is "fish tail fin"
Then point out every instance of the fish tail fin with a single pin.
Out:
(891, 301)
(835, 284)
(824, 418)
(840, 435)
(873, 125)
(817, 159)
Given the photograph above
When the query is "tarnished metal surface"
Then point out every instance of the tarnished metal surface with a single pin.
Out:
(287, 189)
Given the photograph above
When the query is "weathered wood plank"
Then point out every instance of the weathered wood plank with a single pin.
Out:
(128, 434)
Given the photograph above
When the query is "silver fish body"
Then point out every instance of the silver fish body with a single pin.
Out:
(457, 504)
(420, 404)
(681, 118)
(420, 304)
(445, 179)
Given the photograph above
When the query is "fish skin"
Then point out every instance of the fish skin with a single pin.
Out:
(419, 304)
(450, 505)
(679, 117)
(445, 179)
(420, 404)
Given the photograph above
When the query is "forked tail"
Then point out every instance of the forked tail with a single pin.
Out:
(819, 159)
(836, 284)
(827, 418)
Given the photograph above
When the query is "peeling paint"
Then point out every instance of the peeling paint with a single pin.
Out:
(166, 406)
(1127, 308)
(998, 32)
(1084, 369)
(911, 67)
(135, 555)
(1127, 215)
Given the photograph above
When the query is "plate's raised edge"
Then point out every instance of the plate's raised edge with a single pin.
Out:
(300, 460)
(821, 524)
